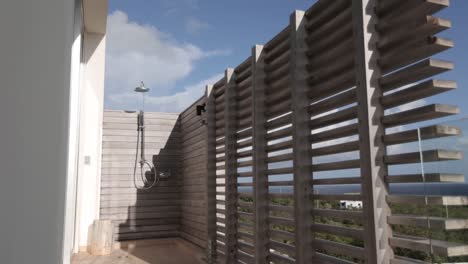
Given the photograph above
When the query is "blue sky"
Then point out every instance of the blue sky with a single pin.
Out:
(178, 46)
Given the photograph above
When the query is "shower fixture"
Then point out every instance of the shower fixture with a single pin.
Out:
(140, 148)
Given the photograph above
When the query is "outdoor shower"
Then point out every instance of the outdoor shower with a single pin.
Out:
(140, 147)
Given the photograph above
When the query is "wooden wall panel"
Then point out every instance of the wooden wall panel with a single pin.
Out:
(194, 175)
(141, 214)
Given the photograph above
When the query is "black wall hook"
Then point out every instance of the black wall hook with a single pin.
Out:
(201, 109)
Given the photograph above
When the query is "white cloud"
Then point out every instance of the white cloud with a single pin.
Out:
(463, 141)
(194, 26)
(172, 103)
(137, 52)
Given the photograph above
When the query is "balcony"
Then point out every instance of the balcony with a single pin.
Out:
(318, 148)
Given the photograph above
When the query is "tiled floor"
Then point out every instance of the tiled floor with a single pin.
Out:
(160, 251)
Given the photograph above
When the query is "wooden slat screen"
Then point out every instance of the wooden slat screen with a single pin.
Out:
(314, 107)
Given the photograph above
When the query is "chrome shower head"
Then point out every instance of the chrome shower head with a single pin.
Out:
(141, 88)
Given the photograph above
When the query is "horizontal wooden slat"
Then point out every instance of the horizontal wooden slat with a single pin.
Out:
(280, 158)
(279, 122)
(392, 10)
(339, 248)
(244, 65)
(427, 156)
(326, 259)
(280, 183)
(279, 171)
(282, 247)
(416, 92)
(279, 146)
(441, 248)
(430, 177)
(342, 18)
(343, 62)
(421, 26)
(337, 58)
(335, 149)
(430, 199)
(437, 223)
(337, 165)
(333, 103)
(285, 132)
(419, 71)
(281, 208)
(404, 260)
(337, 197)
(339, 214)
(339, 82)
(338, 230)
(335, 133)
(412, 52)
(332, 181)
(281, 235)
(280, 259)
(318, 15)
(245, 257)
(334, 118)
(276, 51)
(420, 114)
(241, 77)
(277, 74)
(276, 63)
(276, 40)
(430, 132)
(318, 43)
(280, 221)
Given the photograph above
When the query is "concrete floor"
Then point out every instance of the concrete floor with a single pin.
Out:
(159, 251)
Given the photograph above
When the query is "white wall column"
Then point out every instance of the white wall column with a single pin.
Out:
(92, 98)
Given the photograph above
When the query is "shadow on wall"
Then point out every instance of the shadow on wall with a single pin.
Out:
(145, 214)
(137, 213)
(156, 212)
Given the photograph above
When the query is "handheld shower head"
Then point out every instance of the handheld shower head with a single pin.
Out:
(141, 88)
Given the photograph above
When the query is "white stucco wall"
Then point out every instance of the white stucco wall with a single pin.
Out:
(74, 124)
(51, 103)
(35, 59)
(92, 98)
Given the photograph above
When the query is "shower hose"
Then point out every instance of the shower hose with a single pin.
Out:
(140, 147)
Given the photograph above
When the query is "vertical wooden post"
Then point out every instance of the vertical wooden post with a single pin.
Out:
(260, 178)
(371, 131)
(211, 174)
(301, 140)
(231, 166)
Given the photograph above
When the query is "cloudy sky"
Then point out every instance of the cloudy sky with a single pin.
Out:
(178, 46)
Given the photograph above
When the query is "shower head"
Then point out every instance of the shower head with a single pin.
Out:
(141, 88)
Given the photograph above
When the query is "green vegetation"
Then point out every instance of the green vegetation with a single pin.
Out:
(459, 236)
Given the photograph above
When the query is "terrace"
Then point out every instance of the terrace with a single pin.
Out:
(310, 119)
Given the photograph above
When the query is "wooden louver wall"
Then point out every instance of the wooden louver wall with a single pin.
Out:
(328, 84)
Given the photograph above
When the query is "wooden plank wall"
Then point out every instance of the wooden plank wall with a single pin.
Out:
(194, 175)
(140, 214)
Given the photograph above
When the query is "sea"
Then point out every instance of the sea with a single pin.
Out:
(448, 189)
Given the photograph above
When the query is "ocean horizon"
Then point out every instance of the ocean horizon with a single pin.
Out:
(450, 189)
